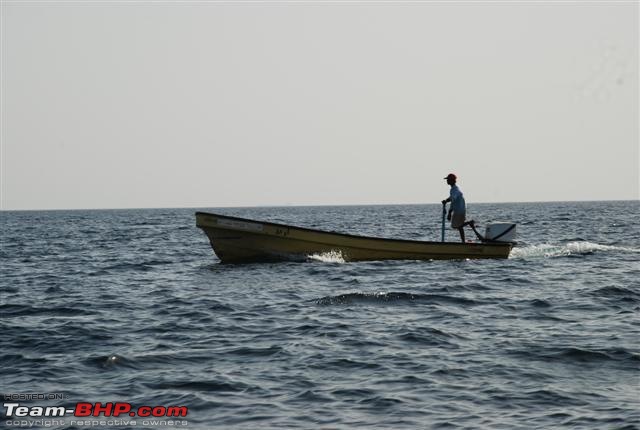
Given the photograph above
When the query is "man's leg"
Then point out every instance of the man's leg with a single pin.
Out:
(472, 224)
(461, 230)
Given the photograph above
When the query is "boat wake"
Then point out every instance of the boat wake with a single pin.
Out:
(327, 257)
(547, 250)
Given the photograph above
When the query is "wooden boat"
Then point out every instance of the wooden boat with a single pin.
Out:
(239, 240)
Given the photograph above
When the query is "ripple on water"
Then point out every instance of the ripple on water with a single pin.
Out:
(394, 298)
(134, 305)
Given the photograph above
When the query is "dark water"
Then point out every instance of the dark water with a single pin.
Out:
(133, 306)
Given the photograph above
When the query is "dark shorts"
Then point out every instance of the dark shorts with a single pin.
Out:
(457, 219)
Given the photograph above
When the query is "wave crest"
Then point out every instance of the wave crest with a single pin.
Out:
(393, 297)
(328, 257)
(547, 250)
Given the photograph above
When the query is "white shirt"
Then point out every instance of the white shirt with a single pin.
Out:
(458, 204)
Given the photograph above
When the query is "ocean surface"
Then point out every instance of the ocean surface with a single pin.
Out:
(133, 306)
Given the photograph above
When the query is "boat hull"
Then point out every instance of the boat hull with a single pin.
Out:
(239, 240)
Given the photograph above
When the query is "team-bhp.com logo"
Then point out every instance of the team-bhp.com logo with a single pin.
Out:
(85, 414)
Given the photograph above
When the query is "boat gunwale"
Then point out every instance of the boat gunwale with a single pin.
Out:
(235, 218)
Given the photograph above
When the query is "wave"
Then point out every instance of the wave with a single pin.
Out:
(347, 363)
(110, 361)
(552, 398)
(143, 266)
(11, 359)
(428, 337)
(392, 298)
(13, 310)
(587, 355)
(327, 257)
(583, 355)
(620, 293)
(246, 351)
(547, 250)
(202, 386)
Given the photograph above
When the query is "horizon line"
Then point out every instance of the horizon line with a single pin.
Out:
(304, 205)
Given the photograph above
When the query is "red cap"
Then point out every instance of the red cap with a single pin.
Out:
(451, 176)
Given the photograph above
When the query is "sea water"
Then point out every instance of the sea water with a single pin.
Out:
(133, 306)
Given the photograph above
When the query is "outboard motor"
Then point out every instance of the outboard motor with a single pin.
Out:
(500, 232)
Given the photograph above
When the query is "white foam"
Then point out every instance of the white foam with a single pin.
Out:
(571, 248)
(328, 257)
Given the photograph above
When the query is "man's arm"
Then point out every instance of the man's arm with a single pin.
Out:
(444, 202)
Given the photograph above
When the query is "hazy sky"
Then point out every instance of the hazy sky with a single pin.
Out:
(201, 104)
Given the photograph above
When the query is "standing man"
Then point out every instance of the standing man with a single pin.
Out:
(458, 208)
